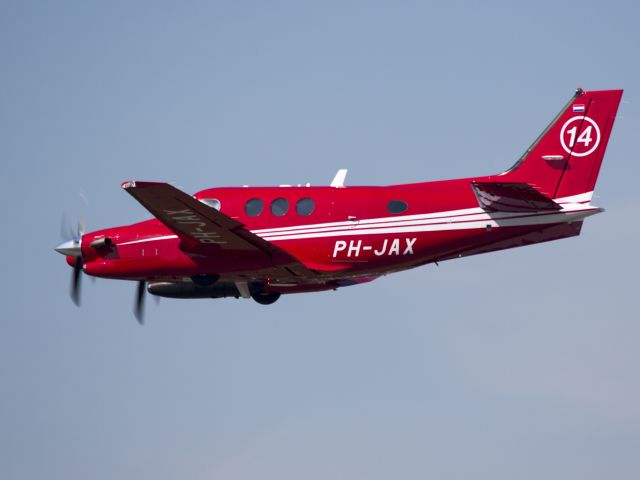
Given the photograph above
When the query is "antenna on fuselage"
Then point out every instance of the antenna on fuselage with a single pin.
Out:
(338, 180)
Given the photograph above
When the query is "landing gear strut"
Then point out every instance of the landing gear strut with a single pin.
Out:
(265, 298)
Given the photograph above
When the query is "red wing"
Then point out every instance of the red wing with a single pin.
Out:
(205, 230)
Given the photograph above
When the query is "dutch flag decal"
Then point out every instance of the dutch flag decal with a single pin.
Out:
(578, 108)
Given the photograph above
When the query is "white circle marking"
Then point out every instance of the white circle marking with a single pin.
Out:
(595, 145)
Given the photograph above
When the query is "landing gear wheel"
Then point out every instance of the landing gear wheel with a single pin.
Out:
(265, 298)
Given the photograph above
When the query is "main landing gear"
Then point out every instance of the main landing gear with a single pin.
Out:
(265, 298)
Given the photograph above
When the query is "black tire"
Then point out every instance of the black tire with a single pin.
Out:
(265, 298)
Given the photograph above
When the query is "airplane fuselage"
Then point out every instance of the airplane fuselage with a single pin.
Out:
(350, 232)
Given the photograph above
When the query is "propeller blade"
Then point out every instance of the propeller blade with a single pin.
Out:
(138, 309)
(81, 220)
(80, 230)
(66, 230)
(75, 281)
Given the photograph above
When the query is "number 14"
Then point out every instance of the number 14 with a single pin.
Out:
(585, 136)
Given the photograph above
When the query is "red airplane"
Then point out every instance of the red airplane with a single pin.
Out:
(262, 242)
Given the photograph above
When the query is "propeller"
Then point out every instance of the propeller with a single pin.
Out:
(138, 307)
(73, 248)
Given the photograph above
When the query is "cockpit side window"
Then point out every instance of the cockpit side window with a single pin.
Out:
(211, 202)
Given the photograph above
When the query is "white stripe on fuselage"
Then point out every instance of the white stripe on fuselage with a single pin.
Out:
(449, 223)
(150, 239)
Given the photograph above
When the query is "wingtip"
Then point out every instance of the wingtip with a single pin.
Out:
(140, 184)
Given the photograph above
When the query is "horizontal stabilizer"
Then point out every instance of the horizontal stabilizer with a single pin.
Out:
(511, 197)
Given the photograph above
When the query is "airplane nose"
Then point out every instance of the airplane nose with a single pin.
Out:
(70, 248)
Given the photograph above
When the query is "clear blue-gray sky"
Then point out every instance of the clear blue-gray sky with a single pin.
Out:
(521, 364)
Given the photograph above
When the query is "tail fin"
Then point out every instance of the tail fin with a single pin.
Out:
(565, 159)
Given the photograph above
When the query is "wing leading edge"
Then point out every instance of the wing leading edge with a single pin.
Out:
(205, 230)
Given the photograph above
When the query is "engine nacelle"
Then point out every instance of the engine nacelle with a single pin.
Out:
(191, 290)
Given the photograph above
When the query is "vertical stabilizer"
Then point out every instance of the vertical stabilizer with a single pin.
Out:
(565, 159)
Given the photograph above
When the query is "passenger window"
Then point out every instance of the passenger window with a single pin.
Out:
(397, 206)
(305, 207)
(279, 207)
(254, 207)
(212, 202)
